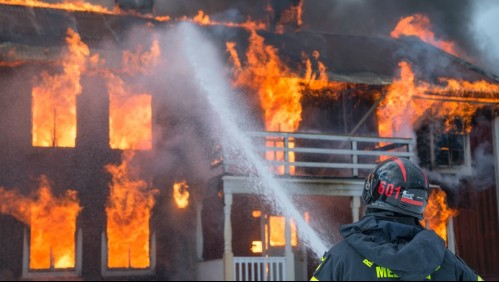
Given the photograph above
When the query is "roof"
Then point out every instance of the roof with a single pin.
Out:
(39, 33)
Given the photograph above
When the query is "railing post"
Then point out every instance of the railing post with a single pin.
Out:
(409, 150)
(286, 155)
(228, 255)
(355, 158)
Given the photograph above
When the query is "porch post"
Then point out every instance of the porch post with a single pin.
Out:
(495, 139)
(355, 205)
(228, 255)
(288, 252)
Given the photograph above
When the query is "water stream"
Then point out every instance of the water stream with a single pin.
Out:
(209, 72)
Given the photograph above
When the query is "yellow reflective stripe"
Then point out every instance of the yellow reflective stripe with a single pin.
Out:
(429, 276)
(322, 260)
(314, 279)
(368, 262)
(480, 278)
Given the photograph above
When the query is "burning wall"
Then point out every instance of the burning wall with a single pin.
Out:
(51, 221)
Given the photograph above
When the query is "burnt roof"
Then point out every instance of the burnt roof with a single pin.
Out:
(371, 59)
(40, 33)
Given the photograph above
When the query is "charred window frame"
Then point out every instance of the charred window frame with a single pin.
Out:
(450, 149)
(444, 147)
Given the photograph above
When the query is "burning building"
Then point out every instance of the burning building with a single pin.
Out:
(116, 161)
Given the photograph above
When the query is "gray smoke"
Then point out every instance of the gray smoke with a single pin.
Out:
(485, 27)
(479, 177)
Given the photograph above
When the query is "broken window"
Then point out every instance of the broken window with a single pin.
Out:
(444, 145)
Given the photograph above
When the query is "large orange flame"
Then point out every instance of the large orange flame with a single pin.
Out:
(181, 194)
(419, 25)
(407, 100)
(130, 122)
(52, 224)
(130, 116)
(279, 89)
(128, 214)
(437, 213)
(74, 5)
(54, 99)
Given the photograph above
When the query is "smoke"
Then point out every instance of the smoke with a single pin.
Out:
(472, 25)
(478, 177)
(485, 26)
(483, 167)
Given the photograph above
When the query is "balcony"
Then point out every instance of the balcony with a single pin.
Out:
(304, 164)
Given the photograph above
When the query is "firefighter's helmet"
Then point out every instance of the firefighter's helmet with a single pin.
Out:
(398, 185)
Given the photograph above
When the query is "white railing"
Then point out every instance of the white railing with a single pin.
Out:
(317, 154)
(259, 269)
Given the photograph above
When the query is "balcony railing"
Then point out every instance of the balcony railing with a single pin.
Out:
(259, 269)
(303, 154)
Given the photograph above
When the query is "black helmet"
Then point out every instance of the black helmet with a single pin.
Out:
(398, 185)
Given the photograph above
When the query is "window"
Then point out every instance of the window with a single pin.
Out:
(450, 150)
(445, 147)
(56, 261)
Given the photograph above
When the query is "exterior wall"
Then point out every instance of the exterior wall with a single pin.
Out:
(477, 224)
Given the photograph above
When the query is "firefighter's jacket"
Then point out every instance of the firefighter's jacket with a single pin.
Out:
(378, 249)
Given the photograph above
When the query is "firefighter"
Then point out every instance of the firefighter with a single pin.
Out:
(389, 243)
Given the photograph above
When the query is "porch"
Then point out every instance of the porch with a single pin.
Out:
(306, 164)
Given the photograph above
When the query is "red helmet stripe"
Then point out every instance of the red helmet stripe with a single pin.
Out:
(402, 168)
(412, 202)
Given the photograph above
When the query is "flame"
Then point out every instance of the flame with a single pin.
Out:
(437, 214)
(419, 25)
(140, 61)
(278, 234)
(181, 194)
(52, 224)
(54, 100)
(162, 18)
(71, 5)
(83, 6)
(202, 19)
(293, 14)
(130, 122)
(408, 100)
(279, 89)
(128, 213)
(277, 86)
(256, 247)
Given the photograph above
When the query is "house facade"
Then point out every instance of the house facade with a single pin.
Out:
(85, 194)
